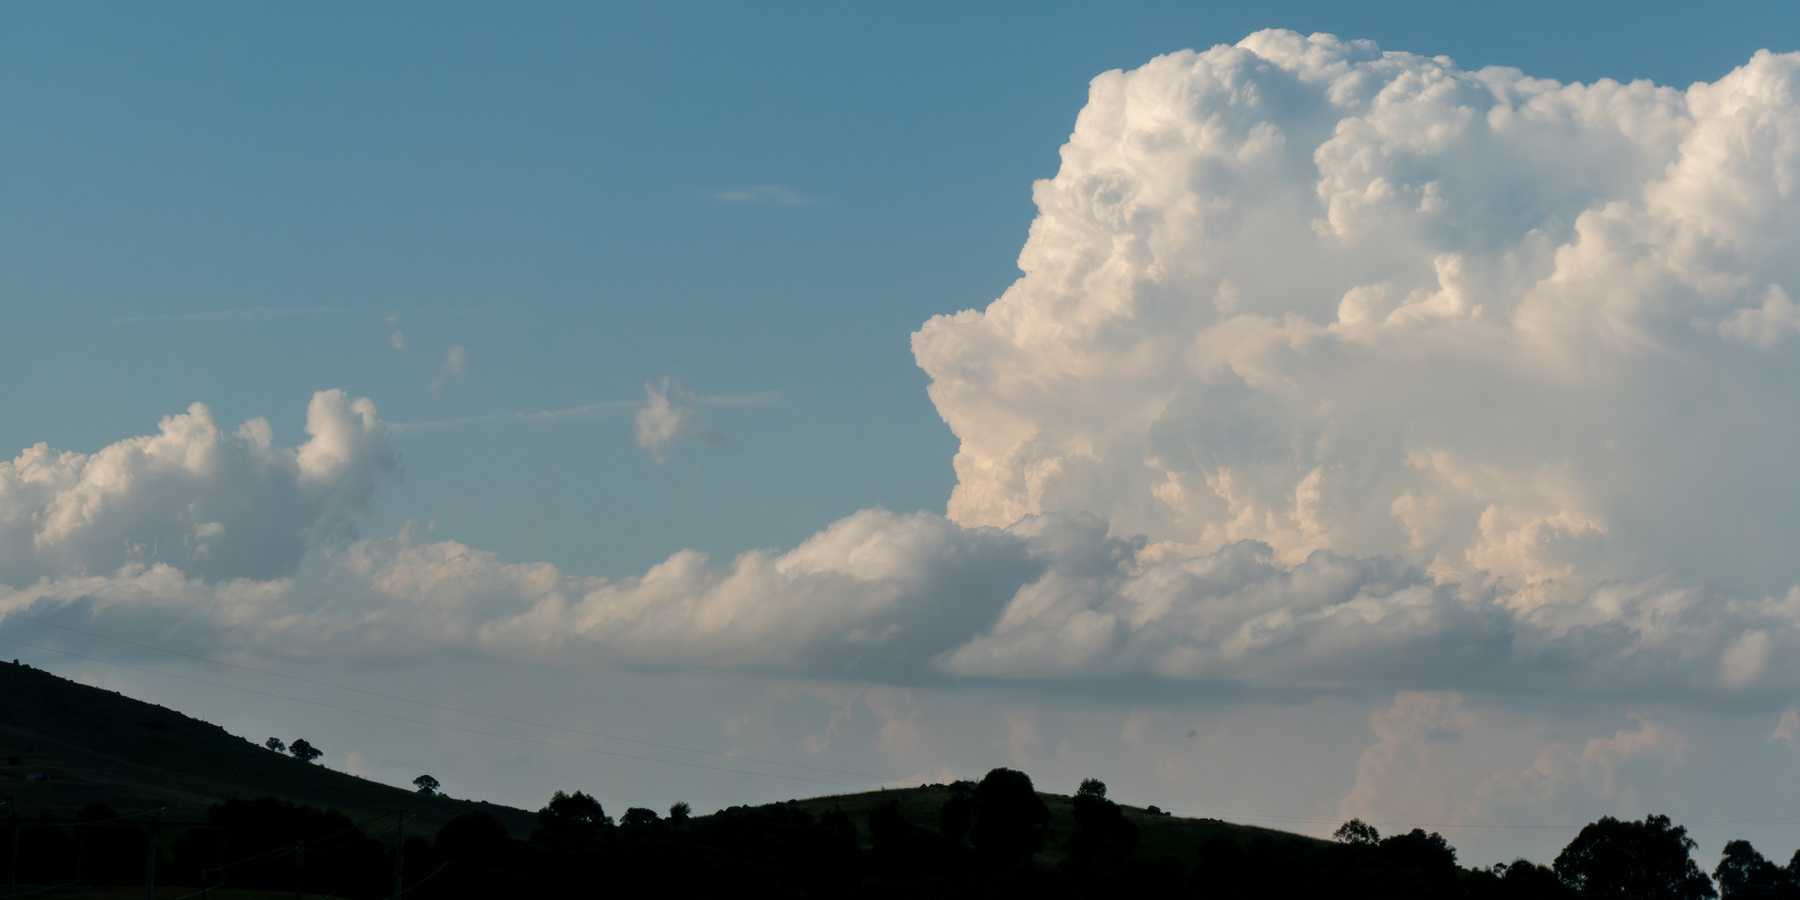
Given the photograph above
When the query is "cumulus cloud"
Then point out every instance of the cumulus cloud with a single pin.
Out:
(193, 497)
(1330, 369)
(1310, 293)
(915, 598)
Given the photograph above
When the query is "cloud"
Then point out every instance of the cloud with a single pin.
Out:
(1436, 760)
(397, 340)
(454, 360)
(765, 194)
(666, 421)
(1309, 293)
(213, 504)
(1330, 370)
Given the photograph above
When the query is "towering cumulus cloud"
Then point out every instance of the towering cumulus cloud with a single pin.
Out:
(1536, 337)
(1330, 368)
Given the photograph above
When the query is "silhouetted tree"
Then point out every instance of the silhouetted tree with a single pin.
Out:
(275, 744)
(1518, 880)
(678, 813)
(571, 821)
(1102, 836)
(1742, 872)
(639, 817)
(1429, 855)
(427, 785)
(577, 808)
(1356, 831)
(1645, 860)
(304, 751)
(1010, 819)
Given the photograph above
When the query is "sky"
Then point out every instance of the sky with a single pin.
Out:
(1284, 413)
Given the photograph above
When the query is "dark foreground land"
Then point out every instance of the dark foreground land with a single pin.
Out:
(84, 768)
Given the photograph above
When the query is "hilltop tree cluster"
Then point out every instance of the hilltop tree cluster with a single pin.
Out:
(997, 837)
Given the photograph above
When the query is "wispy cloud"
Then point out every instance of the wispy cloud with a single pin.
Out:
(666, 420)
(771, 194)
(452, 367)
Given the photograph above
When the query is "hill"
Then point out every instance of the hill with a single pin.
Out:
(65, 744)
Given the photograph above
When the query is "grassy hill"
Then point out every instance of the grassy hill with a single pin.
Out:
(64, 744)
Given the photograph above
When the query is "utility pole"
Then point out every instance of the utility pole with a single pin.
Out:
(400, 853)
(150, 859)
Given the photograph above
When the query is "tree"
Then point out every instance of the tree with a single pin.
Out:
(571, 821)
(303, 751)
(1010, 818)
(1743, 872)
(1092, 788)
(639, 817)
(1645, 860)
(1356, 831)
(1102, 836)
(678, 813)
(427, 785)
(577, 808)
(1429, 855)
(275, 744)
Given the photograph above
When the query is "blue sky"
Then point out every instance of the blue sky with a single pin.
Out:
(537, 187)
(470, 214)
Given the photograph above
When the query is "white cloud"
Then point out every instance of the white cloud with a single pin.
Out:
(1330, 370)
(209, 503)
(1309, 293)
(666, 420)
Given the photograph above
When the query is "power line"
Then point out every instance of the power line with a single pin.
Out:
(510, 737)
(369, 693)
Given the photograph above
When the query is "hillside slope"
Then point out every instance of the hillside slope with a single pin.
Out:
(65, 744)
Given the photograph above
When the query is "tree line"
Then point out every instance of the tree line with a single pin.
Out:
(995, 837)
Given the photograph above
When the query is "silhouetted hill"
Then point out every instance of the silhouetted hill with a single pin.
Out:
(91, 744)
(995, 838)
